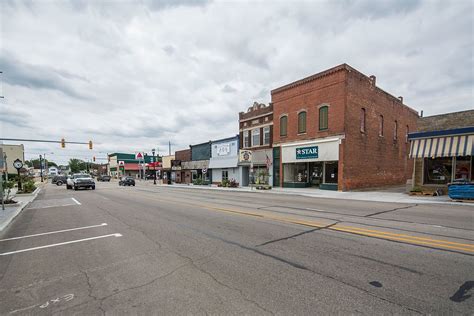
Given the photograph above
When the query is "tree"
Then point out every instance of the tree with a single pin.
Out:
(77, 165)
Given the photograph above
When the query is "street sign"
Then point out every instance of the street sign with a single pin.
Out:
(121, 163)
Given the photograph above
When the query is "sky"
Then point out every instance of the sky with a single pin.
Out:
(135, 75)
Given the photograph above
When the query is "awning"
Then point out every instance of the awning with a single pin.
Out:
(449, 146)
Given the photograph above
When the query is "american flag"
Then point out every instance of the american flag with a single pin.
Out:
(268, 161)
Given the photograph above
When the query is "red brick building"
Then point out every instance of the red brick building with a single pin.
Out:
(338, 130)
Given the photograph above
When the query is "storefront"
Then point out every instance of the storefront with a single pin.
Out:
(257, 166)
(442, 157)
(224, 162)
(310, 163)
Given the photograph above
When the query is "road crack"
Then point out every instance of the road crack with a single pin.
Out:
(392, 210)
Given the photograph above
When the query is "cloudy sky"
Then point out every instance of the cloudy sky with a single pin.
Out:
(133, 75)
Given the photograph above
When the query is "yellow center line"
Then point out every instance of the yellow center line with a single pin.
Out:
(348, 229)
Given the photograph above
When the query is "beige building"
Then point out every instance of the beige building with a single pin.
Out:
(166, 163)
(12, 152)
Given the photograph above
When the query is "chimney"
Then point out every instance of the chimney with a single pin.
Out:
(372, 80)
(421, 114)
(401, 99)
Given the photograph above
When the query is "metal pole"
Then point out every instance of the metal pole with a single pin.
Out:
(1, 191)
(6, 165)
(41, 168)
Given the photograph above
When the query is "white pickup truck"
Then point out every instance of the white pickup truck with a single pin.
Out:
(80, 180)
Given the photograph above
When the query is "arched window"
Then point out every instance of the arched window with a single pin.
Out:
(381, 125)
(323, 117)
(301, 122)
(395, 130)
(283, 125)
(362, 120)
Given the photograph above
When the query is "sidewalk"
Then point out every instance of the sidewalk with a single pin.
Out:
(372, 196)
(11, 211)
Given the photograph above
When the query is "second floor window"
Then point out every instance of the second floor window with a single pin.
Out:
(323, 118)
(246, 139)
(362, 120)
(381, 125)
(301, 122)
(266, 135)
(256, 137)
(283, 125)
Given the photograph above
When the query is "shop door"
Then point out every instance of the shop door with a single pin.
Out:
(330, 172)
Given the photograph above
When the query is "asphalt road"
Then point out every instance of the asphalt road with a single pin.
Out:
(163, 250)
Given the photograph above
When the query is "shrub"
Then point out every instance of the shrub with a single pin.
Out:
(28, 186)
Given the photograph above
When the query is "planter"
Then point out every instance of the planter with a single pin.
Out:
(28, 194)
(12, 205)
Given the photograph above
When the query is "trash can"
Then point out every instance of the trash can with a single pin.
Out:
(461, 190)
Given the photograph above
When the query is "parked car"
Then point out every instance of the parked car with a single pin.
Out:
(127, 181)
(80, 180)
(104, 178)
(59, 180)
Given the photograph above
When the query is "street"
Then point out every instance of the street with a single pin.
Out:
(169, 250)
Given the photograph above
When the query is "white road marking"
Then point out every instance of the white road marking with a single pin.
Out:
(59, 244)
(77, 202)
(54, 232)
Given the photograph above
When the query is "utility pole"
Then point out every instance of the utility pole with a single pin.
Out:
(41, 168)
(169, 146)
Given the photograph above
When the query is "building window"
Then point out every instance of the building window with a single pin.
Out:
(406, 135)
(266, 135)
(225, 175)
(362, 120)
(283, 125)
(381, 125)
(463, 170)
(323, 118)
(256, 137)
(301, 122)
(438, 170)
(395, 130)
(246, 139)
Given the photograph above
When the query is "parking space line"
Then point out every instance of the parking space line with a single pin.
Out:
(59, 244)
(53, 232)
(77, 202)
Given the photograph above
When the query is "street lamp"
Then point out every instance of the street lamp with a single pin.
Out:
(154, 166)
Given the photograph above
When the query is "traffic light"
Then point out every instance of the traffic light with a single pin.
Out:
(63, 143)
(93, 158)
(90, 145)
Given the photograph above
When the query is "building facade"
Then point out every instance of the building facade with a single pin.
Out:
(124, 164)
(224, 162)
(181, 157)
(10, 154)
(337, 130)
(442, 149)
(256, 139)
(199, 164)
(166, 173)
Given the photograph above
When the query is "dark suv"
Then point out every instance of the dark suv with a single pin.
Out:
(104, 178)
(59, 180)
(127, 181)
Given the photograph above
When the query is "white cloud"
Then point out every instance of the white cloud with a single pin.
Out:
(134, 75)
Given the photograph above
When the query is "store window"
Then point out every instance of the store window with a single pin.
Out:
(283, 125)
(256, 137)
(246, 139)
(323, 118)
(225, 175)
(301, 122)
(266, 135)
(463, 169)
(381, 125)
(295, 172)
(438, 170)
(330, 172)
(362, 120)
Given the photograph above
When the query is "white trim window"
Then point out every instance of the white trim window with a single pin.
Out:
(266, 135)
(246, 139)
(256, 137)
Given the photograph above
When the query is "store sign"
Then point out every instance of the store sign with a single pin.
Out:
(245, 156)
(223, 149)
(310, 152)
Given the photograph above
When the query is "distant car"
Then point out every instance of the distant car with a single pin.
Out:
(104, 178)
(59, 180)
(80, 180)
(127, 181)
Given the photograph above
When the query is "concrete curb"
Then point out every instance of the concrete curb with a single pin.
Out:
(23, 204)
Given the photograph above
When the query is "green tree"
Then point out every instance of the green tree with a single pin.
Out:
(76, 165)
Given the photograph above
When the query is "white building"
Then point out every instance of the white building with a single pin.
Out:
(224, 162)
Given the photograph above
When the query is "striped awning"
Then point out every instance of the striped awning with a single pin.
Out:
(449, 146)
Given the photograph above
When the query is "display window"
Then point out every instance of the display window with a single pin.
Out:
(463, 169)
(437, 170)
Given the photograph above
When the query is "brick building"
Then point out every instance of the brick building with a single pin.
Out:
(182, 175)
(338, 130)
(442, 147)
(256, 138)
(198, 165)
